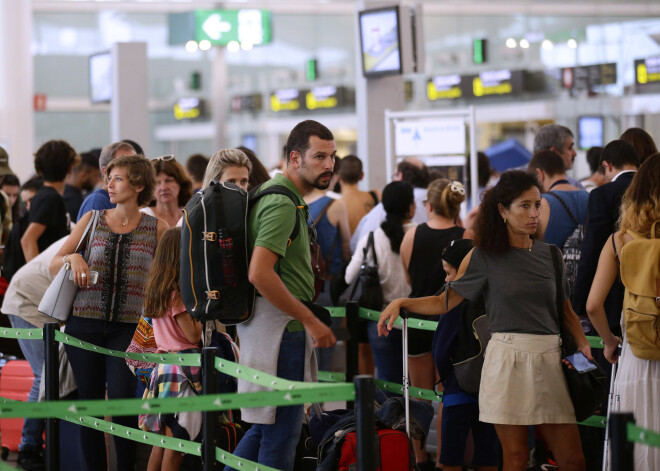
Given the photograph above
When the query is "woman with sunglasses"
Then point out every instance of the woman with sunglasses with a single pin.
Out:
(173, 190)
(421, 254)
(108, 305)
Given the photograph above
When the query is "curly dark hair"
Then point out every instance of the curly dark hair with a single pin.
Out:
(54, 160)
(490, 232)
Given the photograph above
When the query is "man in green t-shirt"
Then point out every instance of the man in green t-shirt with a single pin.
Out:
(282, 333)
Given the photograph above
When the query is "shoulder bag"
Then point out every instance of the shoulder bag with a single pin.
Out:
(58, 298)
(366, 288)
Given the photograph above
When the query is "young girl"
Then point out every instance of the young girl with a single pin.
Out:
(460, 410)
(175, 332)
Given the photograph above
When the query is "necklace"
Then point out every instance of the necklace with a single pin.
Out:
(531, 243)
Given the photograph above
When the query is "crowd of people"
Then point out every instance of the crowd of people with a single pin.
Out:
(432, 259)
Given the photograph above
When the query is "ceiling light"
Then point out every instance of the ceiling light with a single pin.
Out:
(511, 43)
(547, 44)
(524, 43)
(246, 46)
(572, 43)
(205, 44)
(191, 46)
(233, 46)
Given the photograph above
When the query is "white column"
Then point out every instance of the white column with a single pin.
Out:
(219, 104)
(17, 86)
(129, 114)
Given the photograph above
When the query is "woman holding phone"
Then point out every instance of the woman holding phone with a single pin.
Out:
(522, 382)
(106, 313)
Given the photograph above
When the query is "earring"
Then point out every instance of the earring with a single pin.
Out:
(504, 220)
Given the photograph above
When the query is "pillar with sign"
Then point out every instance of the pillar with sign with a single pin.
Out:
(385, 45)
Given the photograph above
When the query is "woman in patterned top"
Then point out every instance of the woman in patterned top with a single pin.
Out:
(106, 313)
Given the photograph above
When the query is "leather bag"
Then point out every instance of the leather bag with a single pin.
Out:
(586, 389)
(366, 288)
(57, 301)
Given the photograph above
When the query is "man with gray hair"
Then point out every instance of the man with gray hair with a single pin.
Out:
(558, 139)
(99, 198)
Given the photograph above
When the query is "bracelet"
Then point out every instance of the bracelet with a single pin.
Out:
(64, 259)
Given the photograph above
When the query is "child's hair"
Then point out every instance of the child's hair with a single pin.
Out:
(164, 274)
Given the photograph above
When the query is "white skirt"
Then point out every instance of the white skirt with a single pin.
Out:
(522, 382)
(638, 386)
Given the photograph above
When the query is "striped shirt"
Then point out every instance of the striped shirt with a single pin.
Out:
(122, 262)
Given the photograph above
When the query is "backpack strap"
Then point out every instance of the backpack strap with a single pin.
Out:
(323, 211)
(370, 245)
(558, 267)
(616, 254)
(570, 214)
(374, 196)
(256, 194)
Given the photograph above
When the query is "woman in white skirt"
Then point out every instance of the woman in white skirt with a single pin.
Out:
(638, 379)
(522, 382)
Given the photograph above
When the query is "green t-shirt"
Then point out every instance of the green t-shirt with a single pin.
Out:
(272, 220)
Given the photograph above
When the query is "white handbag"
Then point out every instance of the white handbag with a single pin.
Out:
(57, 301)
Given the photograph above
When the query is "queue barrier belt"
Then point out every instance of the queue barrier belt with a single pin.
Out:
(638, 434)
(155, 439)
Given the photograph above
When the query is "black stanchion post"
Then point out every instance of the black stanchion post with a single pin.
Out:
(622, 449)
(365, 392)
(209, 418)
(352, 344)
(52, 390)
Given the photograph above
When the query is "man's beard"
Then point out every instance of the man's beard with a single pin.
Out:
(317, 182)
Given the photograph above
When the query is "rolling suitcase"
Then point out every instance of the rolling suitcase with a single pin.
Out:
(16, 381)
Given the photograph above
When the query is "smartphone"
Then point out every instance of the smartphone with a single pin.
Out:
(93, 276)
(581, 363)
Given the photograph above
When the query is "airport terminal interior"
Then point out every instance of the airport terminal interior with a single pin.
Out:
(432, 80)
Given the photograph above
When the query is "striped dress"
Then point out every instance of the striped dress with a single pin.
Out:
(122, 262)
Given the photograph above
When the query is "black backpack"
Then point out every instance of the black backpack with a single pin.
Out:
(214, 252)
(571, 251)
(469, 348)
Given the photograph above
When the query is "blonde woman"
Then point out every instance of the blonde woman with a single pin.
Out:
(228, 166)
(637, 380)
(421, 254)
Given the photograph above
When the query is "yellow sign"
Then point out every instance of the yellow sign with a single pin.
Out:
(432, 93)
(321, 97)
(479, 89)
(284, 100)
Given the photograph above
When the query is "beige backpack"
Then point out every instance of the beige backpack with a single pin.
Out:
(640, 274)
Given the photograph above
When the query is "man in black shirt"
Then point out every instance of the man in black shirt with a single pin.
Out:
(82, 181)
(48, 220)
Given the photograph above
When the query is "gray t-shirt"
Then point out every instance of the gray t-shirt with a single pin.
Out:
(518, 286)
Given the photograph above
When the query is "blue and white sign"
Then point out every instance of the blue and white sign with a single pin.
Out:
(430, 137)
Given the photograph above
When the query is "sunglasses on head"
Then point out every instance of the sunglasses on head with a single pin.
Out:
(164, 158)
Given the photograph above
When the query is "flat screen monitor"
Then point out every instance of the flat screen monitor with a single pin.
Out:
(100, 77)
(380, 39)
(590, 132)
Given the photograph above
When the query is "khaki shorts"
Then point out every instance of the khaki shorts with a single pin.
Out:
(522, 382)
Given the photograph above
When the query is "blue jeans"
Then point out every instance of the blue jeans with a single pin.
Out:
(92, 372)
(388, 353)
(275, 445)
(34, 351)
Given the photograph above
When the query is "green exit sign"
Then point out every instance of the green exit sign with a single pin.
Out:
(479, 51)
(220, 27)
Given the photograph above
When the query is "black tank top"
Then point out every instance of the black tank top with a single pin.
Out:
(425, 268)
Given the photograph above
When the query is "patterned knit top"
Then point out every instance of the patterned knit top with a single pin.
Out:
(122, 261)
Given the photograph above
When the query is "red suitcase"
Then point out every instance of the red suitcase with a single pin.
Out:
(16, 380)
(395, 452)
